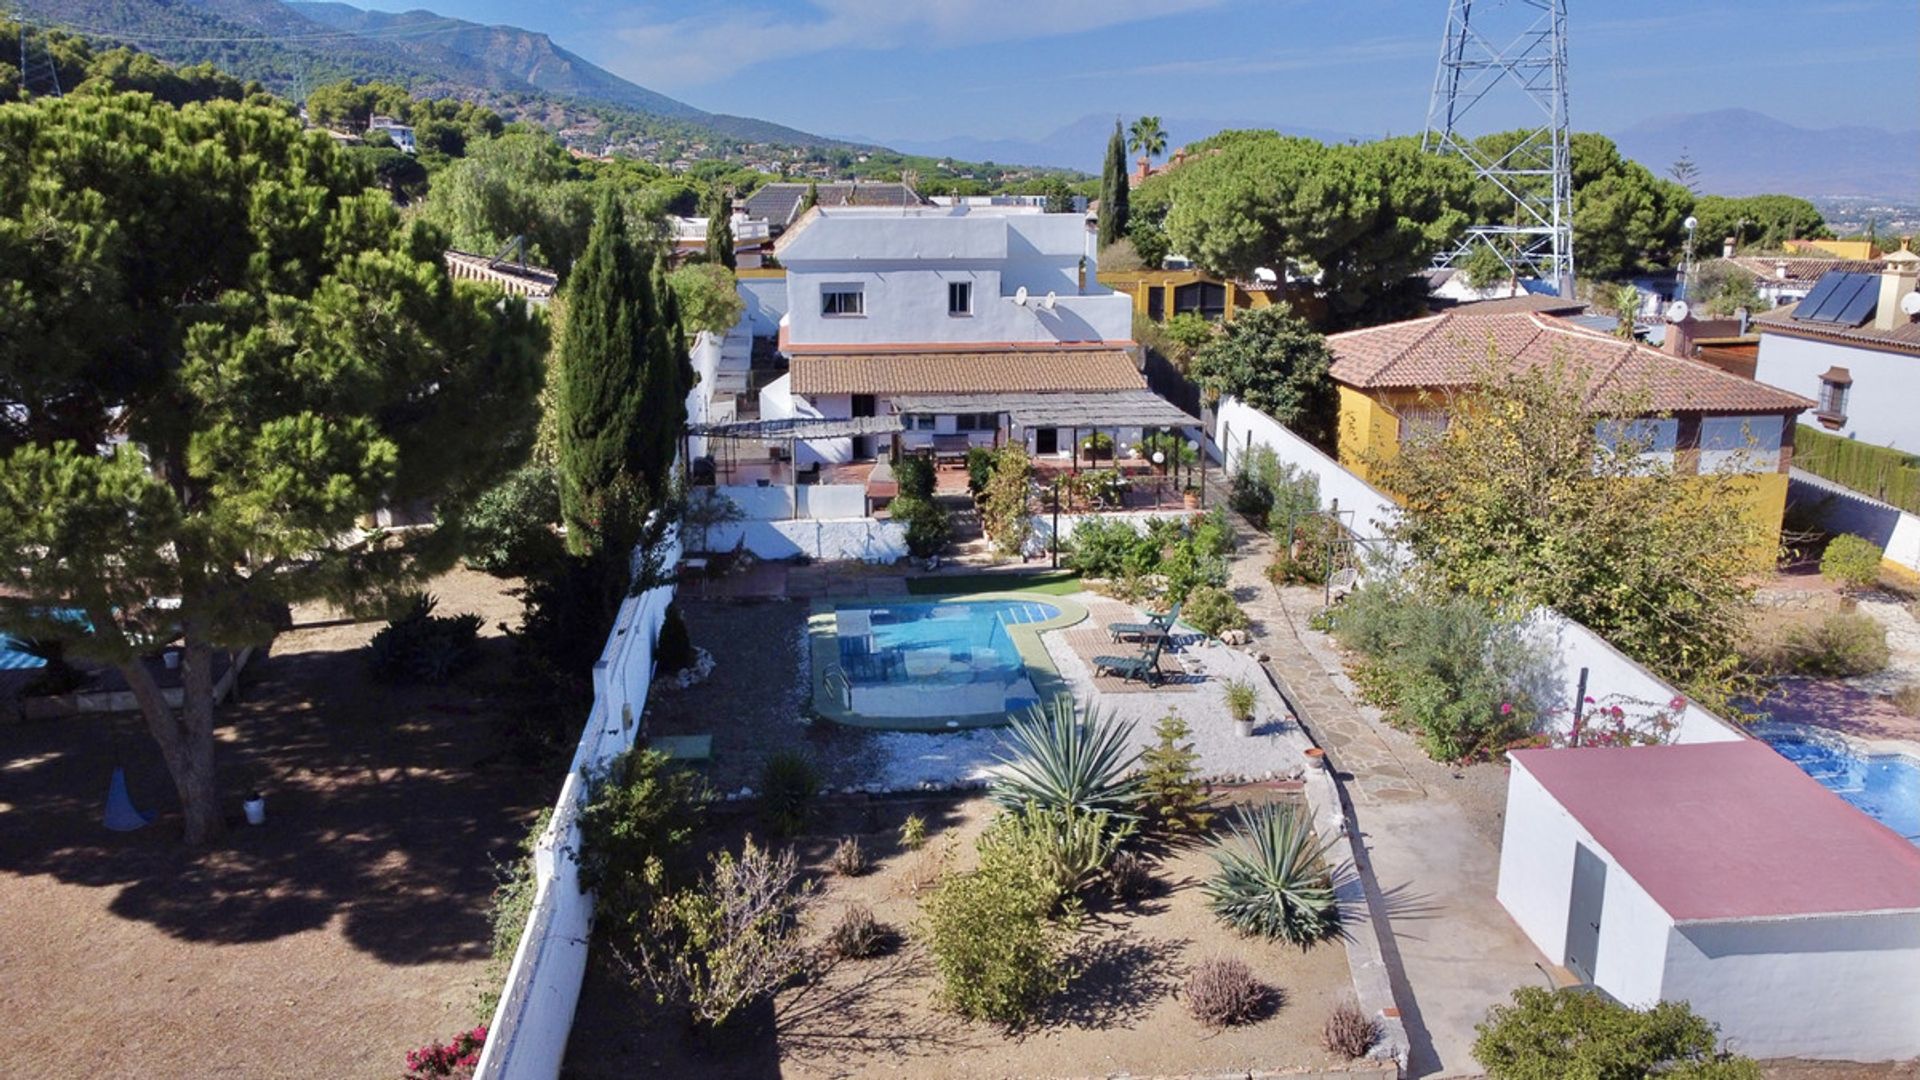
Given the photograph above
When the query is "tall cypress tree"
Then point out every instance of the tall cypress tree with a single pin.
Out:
(813, 196)
(720, 227)
(1113, 189)
(606, 443)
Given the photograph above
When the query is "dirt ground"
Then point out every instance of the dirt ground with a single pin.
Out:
(349, 929)
(870, 1018)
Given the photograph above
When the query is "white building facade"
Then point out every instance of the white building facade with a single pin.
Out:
(1863, 371)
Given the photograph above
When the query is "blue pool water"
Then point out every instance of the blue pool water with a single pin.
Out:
(937, 658)
(1885, 786)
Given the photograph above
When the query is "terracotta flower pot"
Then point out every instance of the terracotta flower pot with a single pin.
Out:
(1316, 757)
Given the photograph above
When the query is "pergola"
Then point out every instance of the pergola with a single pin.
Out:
(1088, 411)
(791, 430)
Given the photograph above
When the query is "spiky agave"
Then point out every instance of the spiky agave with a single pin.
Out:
(1274, 879)
(1058, 760)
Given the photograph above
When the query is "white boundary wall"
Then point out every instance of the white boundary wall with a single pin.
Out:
(1843, 509)
(775, 502)
(527, 1037)
(864, 539)
(1569, 645)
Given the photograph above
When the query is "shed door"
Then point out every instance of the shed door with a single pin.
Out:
(1583, 912)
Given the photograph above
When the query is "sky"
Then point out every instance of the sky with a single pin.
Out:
(928, 69)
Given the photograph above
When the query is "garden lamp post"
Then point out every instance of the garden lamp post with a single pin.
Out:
(1686, 272)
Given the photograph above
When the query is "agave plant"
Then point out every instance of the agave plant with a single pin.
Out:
(1058, 760)
(1068, 849)
(1273, 879)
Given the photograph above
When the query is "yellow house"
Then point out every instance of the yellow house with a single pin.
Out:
(1839, 249)
(1160, 294)
(1403, 377)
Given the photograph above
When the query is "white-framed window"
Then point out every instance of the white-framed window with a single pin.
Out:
(843, 300)
(985, 421)
(1422, 422)
(1835, 387)
(959, 297)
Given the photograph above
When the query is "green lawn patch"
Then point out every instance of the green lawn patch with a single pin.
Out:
(1049, 583)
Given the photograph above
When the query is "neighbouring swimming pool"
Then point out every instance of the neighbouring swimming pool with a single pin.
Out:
(1885, 786)
(930, 663)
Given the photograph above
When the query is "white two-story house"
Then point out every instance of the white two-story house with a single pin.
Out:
(971, 325)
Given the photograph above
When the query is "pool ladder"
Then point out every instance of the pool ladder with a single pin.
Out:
(834, 672)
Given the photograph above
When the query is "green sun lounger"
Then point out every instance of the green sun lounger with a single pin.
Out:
(1156, 627)
(1145, 667)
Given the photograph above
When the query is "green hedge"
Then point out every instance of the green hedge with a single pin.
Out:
(1888, 475)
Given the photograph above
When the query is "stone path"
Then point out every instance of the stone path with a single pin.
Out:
(1429, 852)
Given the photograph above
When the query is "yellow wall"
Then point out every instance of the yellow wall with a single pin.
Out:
(1370, 426)
(1136, 283)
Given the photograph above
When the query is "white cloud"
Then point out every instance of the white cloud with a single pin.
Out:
(702, 48)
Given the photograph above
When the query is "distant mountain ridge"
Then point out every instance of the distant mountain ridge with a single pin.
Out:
(1743, 152)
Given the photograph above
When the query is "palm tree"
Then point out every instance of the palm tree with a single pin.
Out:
(1147, 137)
(1624, 299)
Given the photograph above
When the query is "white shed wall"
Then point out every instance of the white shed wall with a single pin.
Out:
(1840, 988)
(766, 299)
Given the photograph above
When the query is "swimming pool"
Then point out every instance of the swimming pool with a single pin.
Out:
(960, 662)
(1885, 786)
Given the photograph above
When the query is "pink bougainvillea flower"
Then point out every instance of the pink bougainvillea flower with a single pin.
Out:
(1618, 712)
(1589, 700)
(1677, 704)
(1506, 708)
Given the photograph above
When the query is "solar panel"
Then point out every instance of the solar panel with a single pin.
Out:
(1840, 298)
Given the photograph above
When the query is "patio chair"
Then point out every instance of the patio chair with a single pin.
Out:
(1158, 625)
(1145, 667)
(1344, 580)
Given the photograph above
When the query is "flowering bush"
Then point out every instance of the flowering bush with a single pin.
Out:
(457, 1059)
(1618, 720)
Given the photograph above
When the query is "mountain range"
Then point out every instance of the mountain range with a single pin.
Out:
(288, 45)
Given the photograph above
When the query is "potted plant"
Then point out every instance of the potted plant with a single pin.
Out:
(1242, 700)
(1190, 496)
(1316, 758)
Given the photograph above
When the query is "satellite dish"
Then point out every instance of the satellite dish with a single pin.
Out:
(1050, 300)
(1678, 311)
(1020, 296)
(1261, 273)
(1910, 303)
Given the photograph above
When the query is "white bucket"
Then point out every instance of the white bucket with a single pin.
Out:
(256, 808)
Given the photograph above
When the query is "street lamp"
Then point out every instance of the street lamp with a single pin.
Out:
(1686, 273)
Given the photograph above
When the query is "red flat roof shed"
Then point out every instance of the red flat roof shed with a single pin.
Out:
(1729, 830)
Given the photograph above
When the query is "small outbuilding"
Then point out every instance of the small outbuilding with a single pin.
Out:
(1721, 875)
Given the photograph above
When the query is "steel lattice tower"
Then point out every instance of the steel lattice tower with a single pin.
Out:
(1511, 51)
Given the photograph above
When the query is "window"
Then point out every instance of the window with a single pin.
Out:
(920, 422)
(1205, 298)
(843, 300)
(1835, 387)
(985, 421)
(1422, 423)
(1746, 444)
(959, 297)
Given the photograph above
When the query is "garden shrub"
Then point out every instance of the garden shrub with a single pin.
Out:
(1222, 992)
(1907, 699)
(849, 858)
(1851, 560)
(1003, 510)
(1448, 669)
(928, 527)
(998, 955)
(1301, 550)
(979, 469)
(1190, 563)
(1069, 849)
(1109, 548)
(1097, 446)
(1273, 880)
(788, 785)
(1349, 1032)
(509, 531)
(634, 831)
(1170, 779)
(1580, 1035)
(511, 906)
(1186, 332)
(858, 935)
(1212, 610)
(1130, 877)
(674, 652)
(913, 832)
(730, 941)
(1841, 644)
(57, 674)
(915, 477)
(453, 1060)
(420, 646)
(1251, 489)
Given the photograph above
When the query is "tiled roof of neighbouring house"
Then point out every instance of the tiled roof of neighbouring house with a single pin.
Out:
(1452, 349)
(999, 371)
(1797, 269)
(1904, 337)
(1729, 830)
(1540, 303)
(779, 204)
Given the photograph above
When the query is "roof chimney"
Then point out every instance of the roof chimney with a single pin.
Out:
(1780, 269)
(1897, 279)
(1680, 335)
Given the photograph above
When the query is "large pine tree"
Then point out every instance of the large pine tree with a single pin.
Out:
(1113, 189)
(610, 448)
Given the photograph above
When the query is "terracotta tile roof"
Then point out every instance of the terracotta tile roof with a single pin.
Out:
(961, 372)
(1904, 337)
(1448, 350)
(1540, 303)
(1800, 270)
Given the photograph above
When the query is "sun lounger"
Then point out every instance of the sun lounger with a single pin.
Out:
(1157, 626)
(1145, 667)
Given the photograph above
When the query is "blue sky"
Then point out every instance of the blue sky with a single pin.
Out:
(1022, 68)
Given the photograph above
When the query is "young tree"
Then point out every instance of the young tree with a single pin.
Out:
(720, 227)
(1114, 189)
(1541, 492)
(1147, 137)
(707, 297)
(813, 196)
(213, 365)
(1276, 363)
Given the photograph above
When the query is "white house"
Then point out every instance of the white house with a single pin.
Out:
(1853, 345)
(401, 134)
(1721, 875)
(956, 326)
(750, 234)
(1786, 279)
